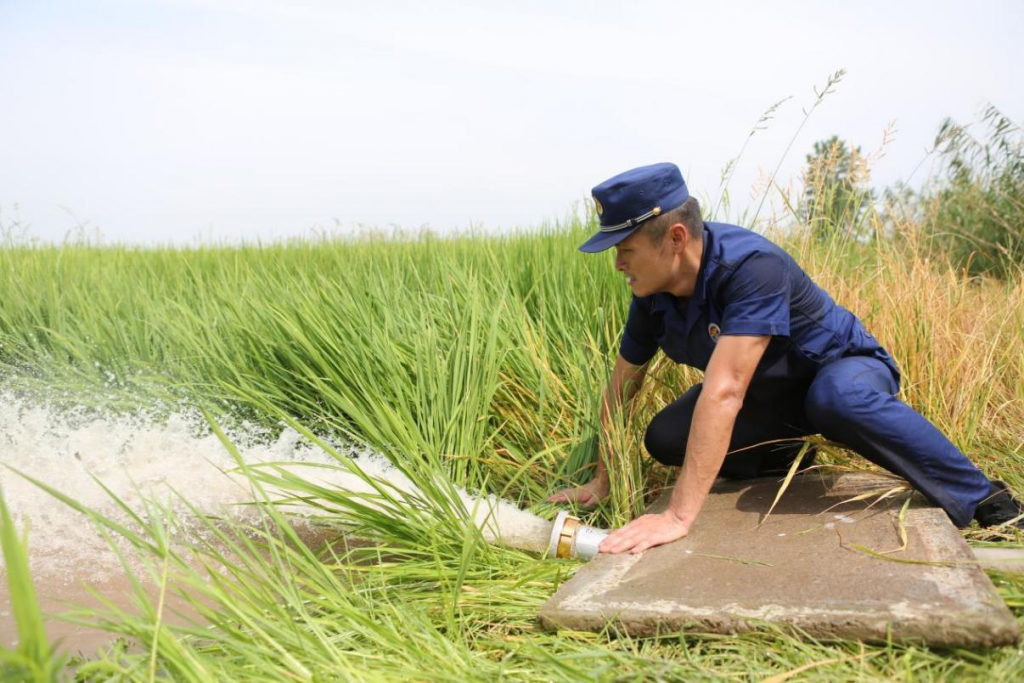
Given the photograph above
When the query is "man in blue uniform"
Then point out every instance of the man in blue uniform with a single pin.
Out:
(781, 360)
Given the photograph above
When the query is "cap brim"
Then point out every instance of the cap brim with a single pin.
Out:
(606, 240)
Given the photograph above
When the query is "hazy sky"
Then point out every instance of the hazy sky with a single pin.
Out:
(178, 120)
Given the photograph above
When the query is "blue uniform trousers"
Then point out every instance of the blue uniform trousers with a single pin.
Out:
(852, 402)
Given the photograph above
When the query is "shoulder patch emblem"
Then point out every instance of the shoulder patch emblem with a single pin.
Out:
(714, 331)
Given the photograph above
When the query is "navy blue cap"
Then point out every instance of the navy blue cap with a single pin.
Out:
(627, 200)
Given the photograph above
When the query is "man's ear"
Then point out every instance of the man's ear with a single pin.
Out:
(679, 236)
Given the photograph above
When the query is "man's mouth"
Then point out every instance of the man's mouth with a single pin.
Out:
(630, 279)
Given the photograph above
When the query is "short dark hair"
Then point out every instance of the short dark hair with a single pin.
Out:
(687, 213)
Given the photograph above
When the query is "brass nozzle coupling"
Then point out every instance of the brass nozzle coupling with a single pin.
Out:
(571, 538)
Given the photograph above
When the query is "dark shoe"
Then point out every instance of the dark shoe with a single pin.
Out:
(1000, 507)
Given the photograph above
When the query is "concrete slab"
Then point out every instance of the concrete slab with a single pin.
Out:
(1001, 559)
(800, 570)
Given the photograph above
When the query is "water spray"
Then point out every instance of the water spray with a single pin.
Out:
(570, 538)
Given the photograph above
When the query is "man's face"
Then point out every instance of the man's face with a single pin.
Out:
(648, 268)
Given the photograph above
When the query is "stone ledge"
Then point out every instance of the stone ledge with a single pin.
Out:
(799, 571)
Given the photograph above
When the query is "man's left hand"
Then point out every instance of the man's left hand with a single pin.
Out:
(645, 532)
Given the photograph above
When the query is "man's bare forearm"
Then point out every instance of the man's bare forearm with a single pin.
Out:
(725, 384)
(710, 432)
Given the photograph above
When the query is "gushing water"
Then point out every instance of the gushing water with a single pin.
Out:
(141, 458)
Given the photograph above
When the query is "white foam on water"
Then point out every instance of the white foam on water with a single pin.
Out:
(139, 457)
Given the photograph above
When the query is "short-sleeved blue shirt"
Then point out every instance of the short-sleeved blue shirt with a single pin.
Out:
(747, 285)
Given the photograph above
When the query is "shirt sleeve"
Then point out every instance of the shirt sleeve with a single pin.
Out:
(756, 297)
(638, 345)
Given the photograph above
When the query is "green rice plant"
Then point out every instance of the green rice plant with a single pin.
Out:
(33, 659)
(308, 327)
(482, 372)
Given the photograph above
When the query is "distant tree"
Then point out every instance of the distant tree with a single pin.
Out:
(835, 200)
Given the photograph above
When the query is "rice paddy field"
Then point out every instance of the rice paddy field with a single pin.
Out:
(468, 363)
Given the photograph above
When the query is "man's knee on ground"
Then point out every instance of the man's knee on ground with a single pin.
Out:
(662, 441)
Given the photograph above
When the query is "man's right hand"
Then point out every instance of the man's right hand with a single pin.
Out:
(588, 495)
